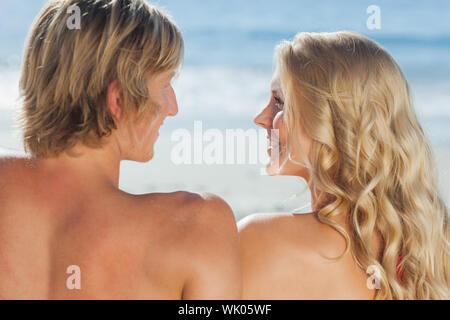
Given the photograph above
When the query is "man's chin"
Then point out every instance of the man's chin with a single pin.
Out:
(148, 157)
(144, 157)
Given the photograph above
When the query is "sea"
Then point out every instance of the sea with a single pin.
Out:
(225, 81)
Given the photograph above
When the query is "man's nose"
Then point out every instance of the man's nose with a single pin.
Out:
(173, 104)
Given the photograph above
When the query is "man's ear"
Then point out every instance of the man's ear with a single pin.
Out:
(114, 99)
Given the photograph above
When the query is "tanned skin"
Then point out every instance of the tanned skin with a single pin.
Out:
(61, 211)
(289, 256)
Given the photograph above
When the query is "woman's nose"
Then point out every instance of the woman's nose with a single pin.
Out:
(264, 118)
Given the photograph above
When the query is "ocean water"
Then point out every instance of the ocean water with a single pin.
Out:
(226, 76)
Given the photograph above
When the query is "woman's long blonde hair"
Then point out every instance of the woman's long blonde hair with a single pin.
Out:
(369, 158)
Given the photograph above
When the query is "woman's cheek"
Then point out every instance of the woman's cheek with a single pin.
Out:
(278, 124)
(277, 119)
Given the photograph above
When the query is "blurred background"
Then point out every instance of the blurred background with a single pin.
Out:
(226, 76)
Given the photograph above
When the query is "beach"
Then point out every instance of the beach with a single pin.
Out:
(242, 186)
(225, 82)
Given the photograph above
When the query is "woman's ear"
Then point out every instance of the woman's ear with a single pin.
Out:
(114, 99)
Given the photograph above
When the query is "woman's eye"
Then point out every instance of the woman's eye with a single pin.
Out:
(279, 103)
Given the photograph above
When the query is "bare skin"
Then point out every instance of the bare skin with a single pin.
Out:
(284, 255)
(63, 211)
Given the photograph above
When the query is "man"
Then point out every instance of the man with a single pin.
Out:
(93, 96)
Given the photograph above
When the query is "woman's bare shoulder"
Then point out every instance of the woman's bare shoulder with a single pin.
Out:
(283, 255)
(283, 232)
(260, 224)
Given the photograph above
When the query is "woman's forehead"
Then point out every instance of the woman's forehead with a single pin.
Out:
(275, 85)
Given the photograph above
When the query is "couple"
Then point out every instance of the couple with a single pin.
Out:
(345, 123)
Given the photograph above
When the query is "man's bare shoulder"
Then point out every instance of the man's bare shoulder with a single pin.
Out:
(192, 217)
(200, 233)
(214, 264)
(13, 159)
(14, 169)
(212, 221)
(184, 224)
(11, 153)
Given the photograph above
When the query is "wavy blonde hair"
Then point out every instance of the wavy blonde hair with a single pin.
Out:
(369, 158)
(66, 72)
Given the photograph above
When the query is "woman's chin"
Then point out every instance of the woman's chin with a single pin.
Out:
(272, 169)
(277, 166)
(273, 165)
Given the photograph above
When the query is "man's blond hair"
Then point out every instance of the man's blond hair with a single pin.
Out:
(66, 71)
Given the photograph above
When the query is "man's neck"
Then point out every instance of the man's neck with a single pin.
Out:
(97, 166)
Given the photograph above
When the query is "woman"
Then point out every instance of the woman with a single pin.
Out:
(340, 116)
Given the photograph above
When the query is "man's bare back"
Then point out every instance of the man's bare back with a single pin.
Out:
(153, 246)
(89, 100)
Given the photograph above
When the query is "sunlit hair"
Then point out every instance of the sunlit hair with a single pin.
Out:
(370, 159)
(66, 72)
